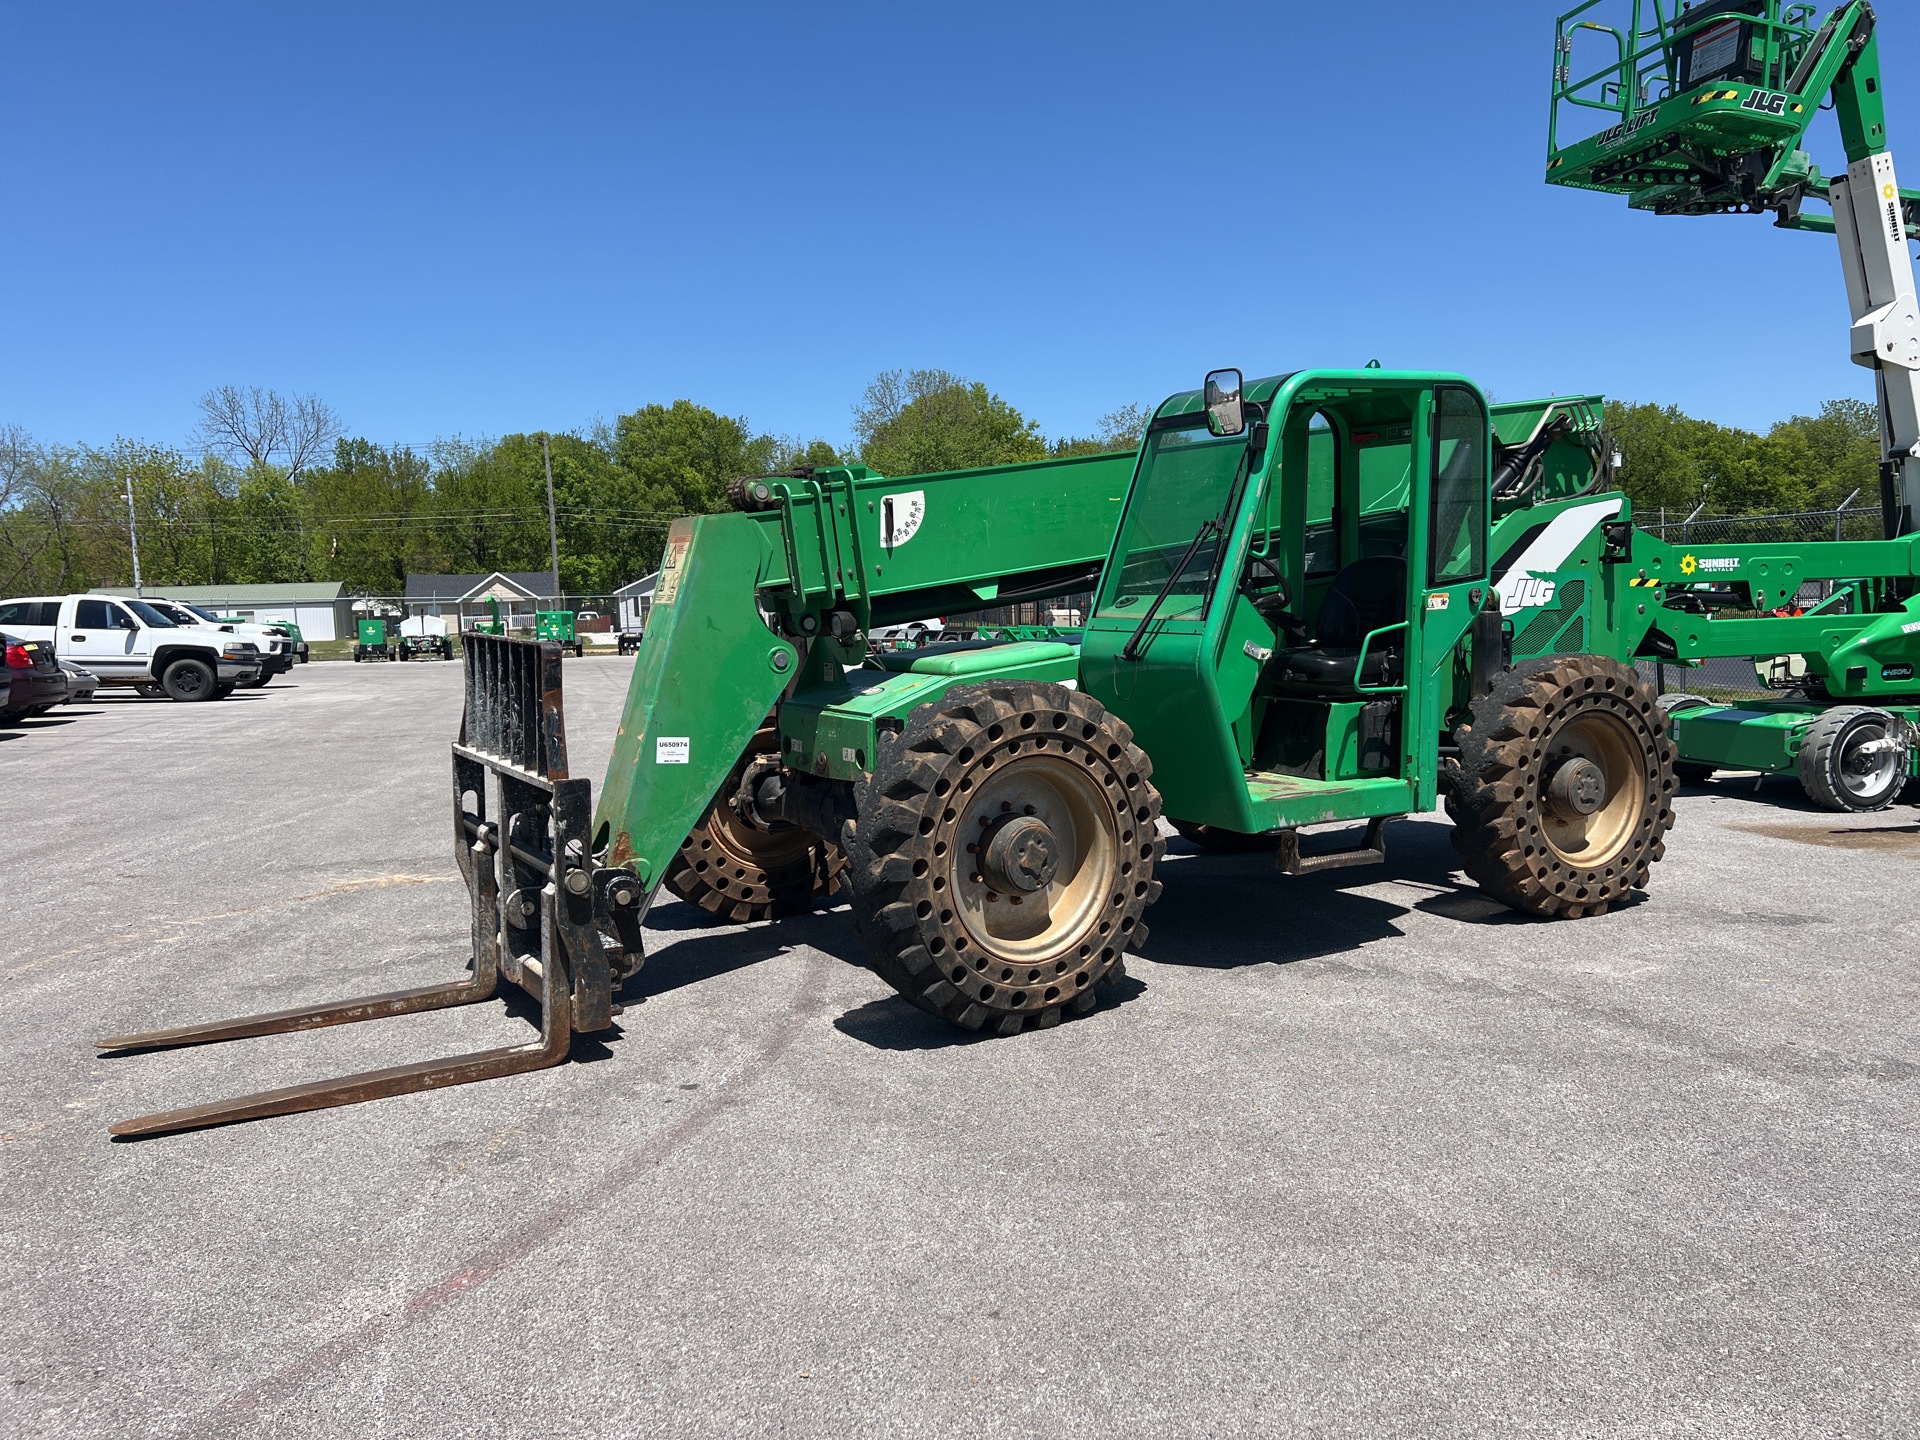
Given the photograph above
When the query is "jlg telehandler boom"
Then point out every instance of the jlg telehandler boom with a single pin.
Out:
(1297, 619)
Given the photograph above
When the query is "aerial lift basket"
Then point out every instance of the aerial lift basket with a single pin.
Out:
(545, 916)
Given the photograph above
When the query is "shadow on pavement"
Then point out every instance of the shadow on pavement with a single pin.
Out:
(893, 1023)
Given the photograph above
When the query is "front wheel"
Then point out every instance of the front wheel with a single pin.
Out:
(1854, 759)
(1004, 853)
(738, 872)
(1564, 793)
(188, 679)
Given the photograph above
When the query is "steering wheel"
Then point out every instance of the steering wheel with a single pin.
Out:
(1263, 573)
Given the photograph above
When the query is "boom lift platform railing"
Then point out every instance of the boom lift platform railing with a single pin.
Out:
(1707, 108)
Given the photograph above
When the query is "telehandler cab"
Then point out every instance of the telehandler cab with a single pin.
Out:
(1297, 620)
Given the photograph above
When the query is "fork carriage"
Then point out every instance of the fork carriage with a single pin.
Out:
(546, 916)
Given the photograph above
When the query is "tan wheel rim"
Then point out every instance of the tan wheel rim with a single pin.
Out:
(1591, 837)
(1067, 831)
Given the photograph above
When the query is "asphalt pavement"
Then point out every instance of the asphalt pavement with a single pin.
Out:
(1357, 1154)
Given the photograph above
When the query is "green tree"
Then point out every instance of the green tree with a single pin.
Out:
(1119, 430)
(372, 515)
(920, 422)
(490, 506)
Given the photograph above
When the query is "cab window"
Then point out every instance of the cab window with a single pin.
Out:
(99, 615)
(1457, 521)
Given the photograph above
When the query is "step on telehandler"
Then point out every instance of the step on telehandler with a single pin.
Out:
(1704, 110)
(1299, 619)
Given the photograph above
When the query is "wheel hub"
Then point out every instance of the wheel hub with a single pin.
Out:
(1578, 788)
(1020, 855)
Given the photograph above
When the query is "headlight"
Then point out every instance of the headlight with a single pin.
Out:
(239, 650)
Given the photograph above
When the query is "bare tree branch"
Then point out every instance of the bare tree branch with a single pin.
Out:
(16, 455)
(311, 426)
(251, 422)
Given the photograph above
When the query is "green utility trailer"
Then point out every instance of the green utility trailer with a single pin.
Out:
(426, 647)
(373, 640)
(1705, 111)
(557, 628)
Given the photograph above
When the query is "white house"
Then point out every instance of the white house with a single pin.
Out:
(635, 599)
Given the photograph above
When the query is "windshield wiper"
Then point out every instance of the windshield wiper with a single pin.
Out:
(1131, 650)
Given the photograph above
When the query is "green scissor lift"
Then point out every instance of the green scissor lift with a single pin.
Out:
(1704, 110)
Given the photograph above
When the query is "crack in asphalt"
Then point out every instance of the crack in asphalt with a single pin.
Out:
(252, 1402)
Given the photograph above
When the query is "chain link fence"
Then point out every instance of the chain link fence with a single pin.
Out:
(1848, 522)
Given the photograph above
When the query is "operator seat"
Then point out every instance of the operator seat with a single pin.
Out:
(1365, 596)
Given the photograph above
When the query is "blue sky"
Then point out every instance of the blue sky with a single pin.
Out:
(484, 218)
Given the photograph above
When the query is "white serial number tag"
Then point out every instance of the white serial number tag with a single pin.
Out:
(672, 749)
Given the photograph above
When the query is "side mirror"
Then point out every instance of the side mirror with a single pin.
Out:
(1225, 413)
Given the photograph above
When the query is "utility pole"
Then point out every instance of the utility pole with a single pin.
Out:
(133, 533)
(553, 528)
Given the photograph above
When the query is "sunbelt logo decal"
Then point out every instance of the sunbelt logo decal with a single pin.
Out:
(1712, 565)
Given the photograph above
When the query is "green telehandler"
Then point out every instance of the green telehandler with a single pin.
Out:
(1328, 596)
(1297, 620)
(1704, 111)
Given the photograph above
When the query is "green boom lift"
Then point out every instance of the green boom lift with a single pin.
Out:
(1704, 111)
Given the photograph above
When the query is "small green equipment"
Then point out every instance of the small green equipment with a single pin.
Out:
(372, 640)
(557, 627)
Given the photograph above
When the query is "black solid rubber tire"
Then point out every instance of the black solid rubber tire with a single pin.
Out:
(905, 843)
(1497, 795)
(189, 679)
(1820, 756)
(1687, 772)
(223, 690)
(740, 874)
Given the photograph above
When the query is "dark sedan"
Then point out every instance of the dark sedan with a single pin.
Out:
(38, 683)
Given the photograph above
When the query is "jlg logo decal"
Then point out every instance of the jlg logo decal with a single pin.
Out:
(1526, 593)
(1765, 102)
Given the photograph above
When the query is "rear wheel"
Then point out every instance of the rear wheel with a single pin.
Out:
(1687, 772)
(1004, 853)
(223, 690)
(1564, 794)
(189, 679)
(1854, 759)
(740, 872)
(149, 691)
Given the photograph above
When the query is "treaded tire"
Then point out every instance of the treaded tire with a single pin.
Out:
(940, 793)
(1825, 755)
(189, 680)
(1687, 772)
(1511, 825)
(1216, 841)
(740, 874)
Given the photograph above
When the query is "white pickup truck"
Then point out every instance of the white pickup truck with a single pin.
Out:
(128, 642)
(276, 649)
